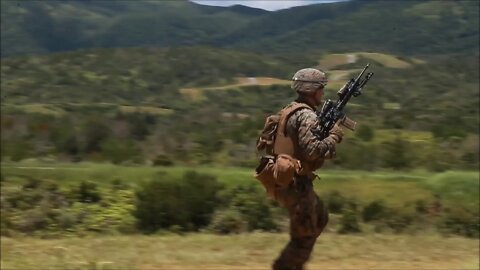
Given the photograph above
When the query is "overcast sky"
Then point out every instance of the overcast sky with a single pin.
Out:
(266, 4)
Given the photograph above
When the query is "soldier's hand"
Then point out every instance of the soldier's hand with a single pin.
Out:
(336, 133)
(331, 154)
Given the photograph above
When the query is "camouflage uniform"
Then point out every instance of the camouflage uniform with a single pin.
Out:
(308, 214)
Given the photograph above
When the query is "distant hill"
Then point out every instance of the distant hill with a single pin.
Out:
(33, 27)
(400, 27)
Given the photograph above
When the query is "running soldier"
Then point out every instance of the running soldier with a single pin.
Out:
(295, 142)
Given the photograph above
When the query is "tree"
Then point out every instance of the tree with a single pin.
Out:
(396, 154)
(366, 133)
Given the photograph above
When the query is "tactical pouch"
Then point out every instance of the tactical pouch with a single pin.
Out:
(284, 169)
(276, 172)
(264, 173)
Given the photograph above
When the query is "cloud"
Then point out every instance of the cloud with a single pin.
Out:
(267, 5)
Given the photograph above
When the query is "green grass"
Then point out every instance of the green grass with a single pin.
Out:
(460, 187)
(243, 251)
(104, 174)
(410, 135)
(395, 187)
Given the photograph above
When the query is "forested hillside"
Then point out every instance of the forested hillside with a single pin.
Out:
(115, 104)
(401, 27)
(32, 27)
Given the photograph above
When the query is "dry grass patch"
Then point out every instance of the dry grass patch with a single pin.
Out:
(244, 251)
(196, 94)
(261, 81)
(39, 108)
(145, 109)
(387, 60)
(332, 60)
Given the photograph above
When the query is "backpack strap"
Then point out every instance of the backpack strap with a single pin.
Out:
(284, 144)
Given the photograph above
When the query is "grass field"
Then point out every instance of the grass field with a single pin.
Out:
(330, 61)
(196, 94)
(243, 251)
(423, 249)
(392, 186)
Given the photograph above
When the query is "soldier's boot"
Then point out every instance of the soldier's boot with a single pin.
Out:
(295, 254)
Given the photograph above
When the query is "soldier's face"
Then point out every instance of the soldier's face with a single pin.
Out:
(318, 96)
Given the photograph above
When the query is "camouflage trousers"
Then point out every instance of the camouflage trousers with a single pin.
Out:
(308, 218)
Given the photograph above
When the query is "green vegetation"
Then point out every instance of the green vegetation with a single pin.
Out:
(84, 199)
(141, 118)
(117, 115)
(32, 27)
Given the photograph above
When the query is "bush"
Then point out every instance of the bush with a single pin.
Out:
(366, 133)
(163, 160)
(86, 192)
(255, 208)
(399, 219)
(187, 202)
(375, 210)
(349, 222)
(118, 151)
(461, 221)
(228, 221)
(336, 202)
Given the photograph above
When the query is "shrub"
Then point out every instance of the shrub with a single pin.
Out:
(86, 192)
(228, 221)
(349, 222)
(336, 202)
(31, 183)
(461, 221)
(187, 202)
(366, 133)
(118, 151)
(375, 210)
(162, 160)
(399, 219)
(255, 208)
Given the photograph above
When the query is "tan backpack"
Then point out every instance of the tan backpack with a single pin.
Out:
(279, 166)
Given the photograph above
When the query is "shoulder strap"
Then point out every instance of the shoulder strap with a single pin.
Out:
(285, 114)
(284, 144)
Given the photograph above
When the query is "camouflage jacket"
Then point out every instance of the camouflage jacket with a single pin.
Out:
(299, 127)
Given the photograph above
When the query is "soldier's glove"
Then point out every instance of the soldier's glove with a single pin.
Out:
(331, 143)
(336, 133)
(331, 153)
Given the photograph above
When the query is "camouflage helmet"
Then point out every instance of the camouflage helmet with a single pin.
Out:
(308, 80)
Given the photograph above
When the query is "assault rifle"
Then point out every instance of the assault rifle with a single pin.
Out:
(332, 111)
